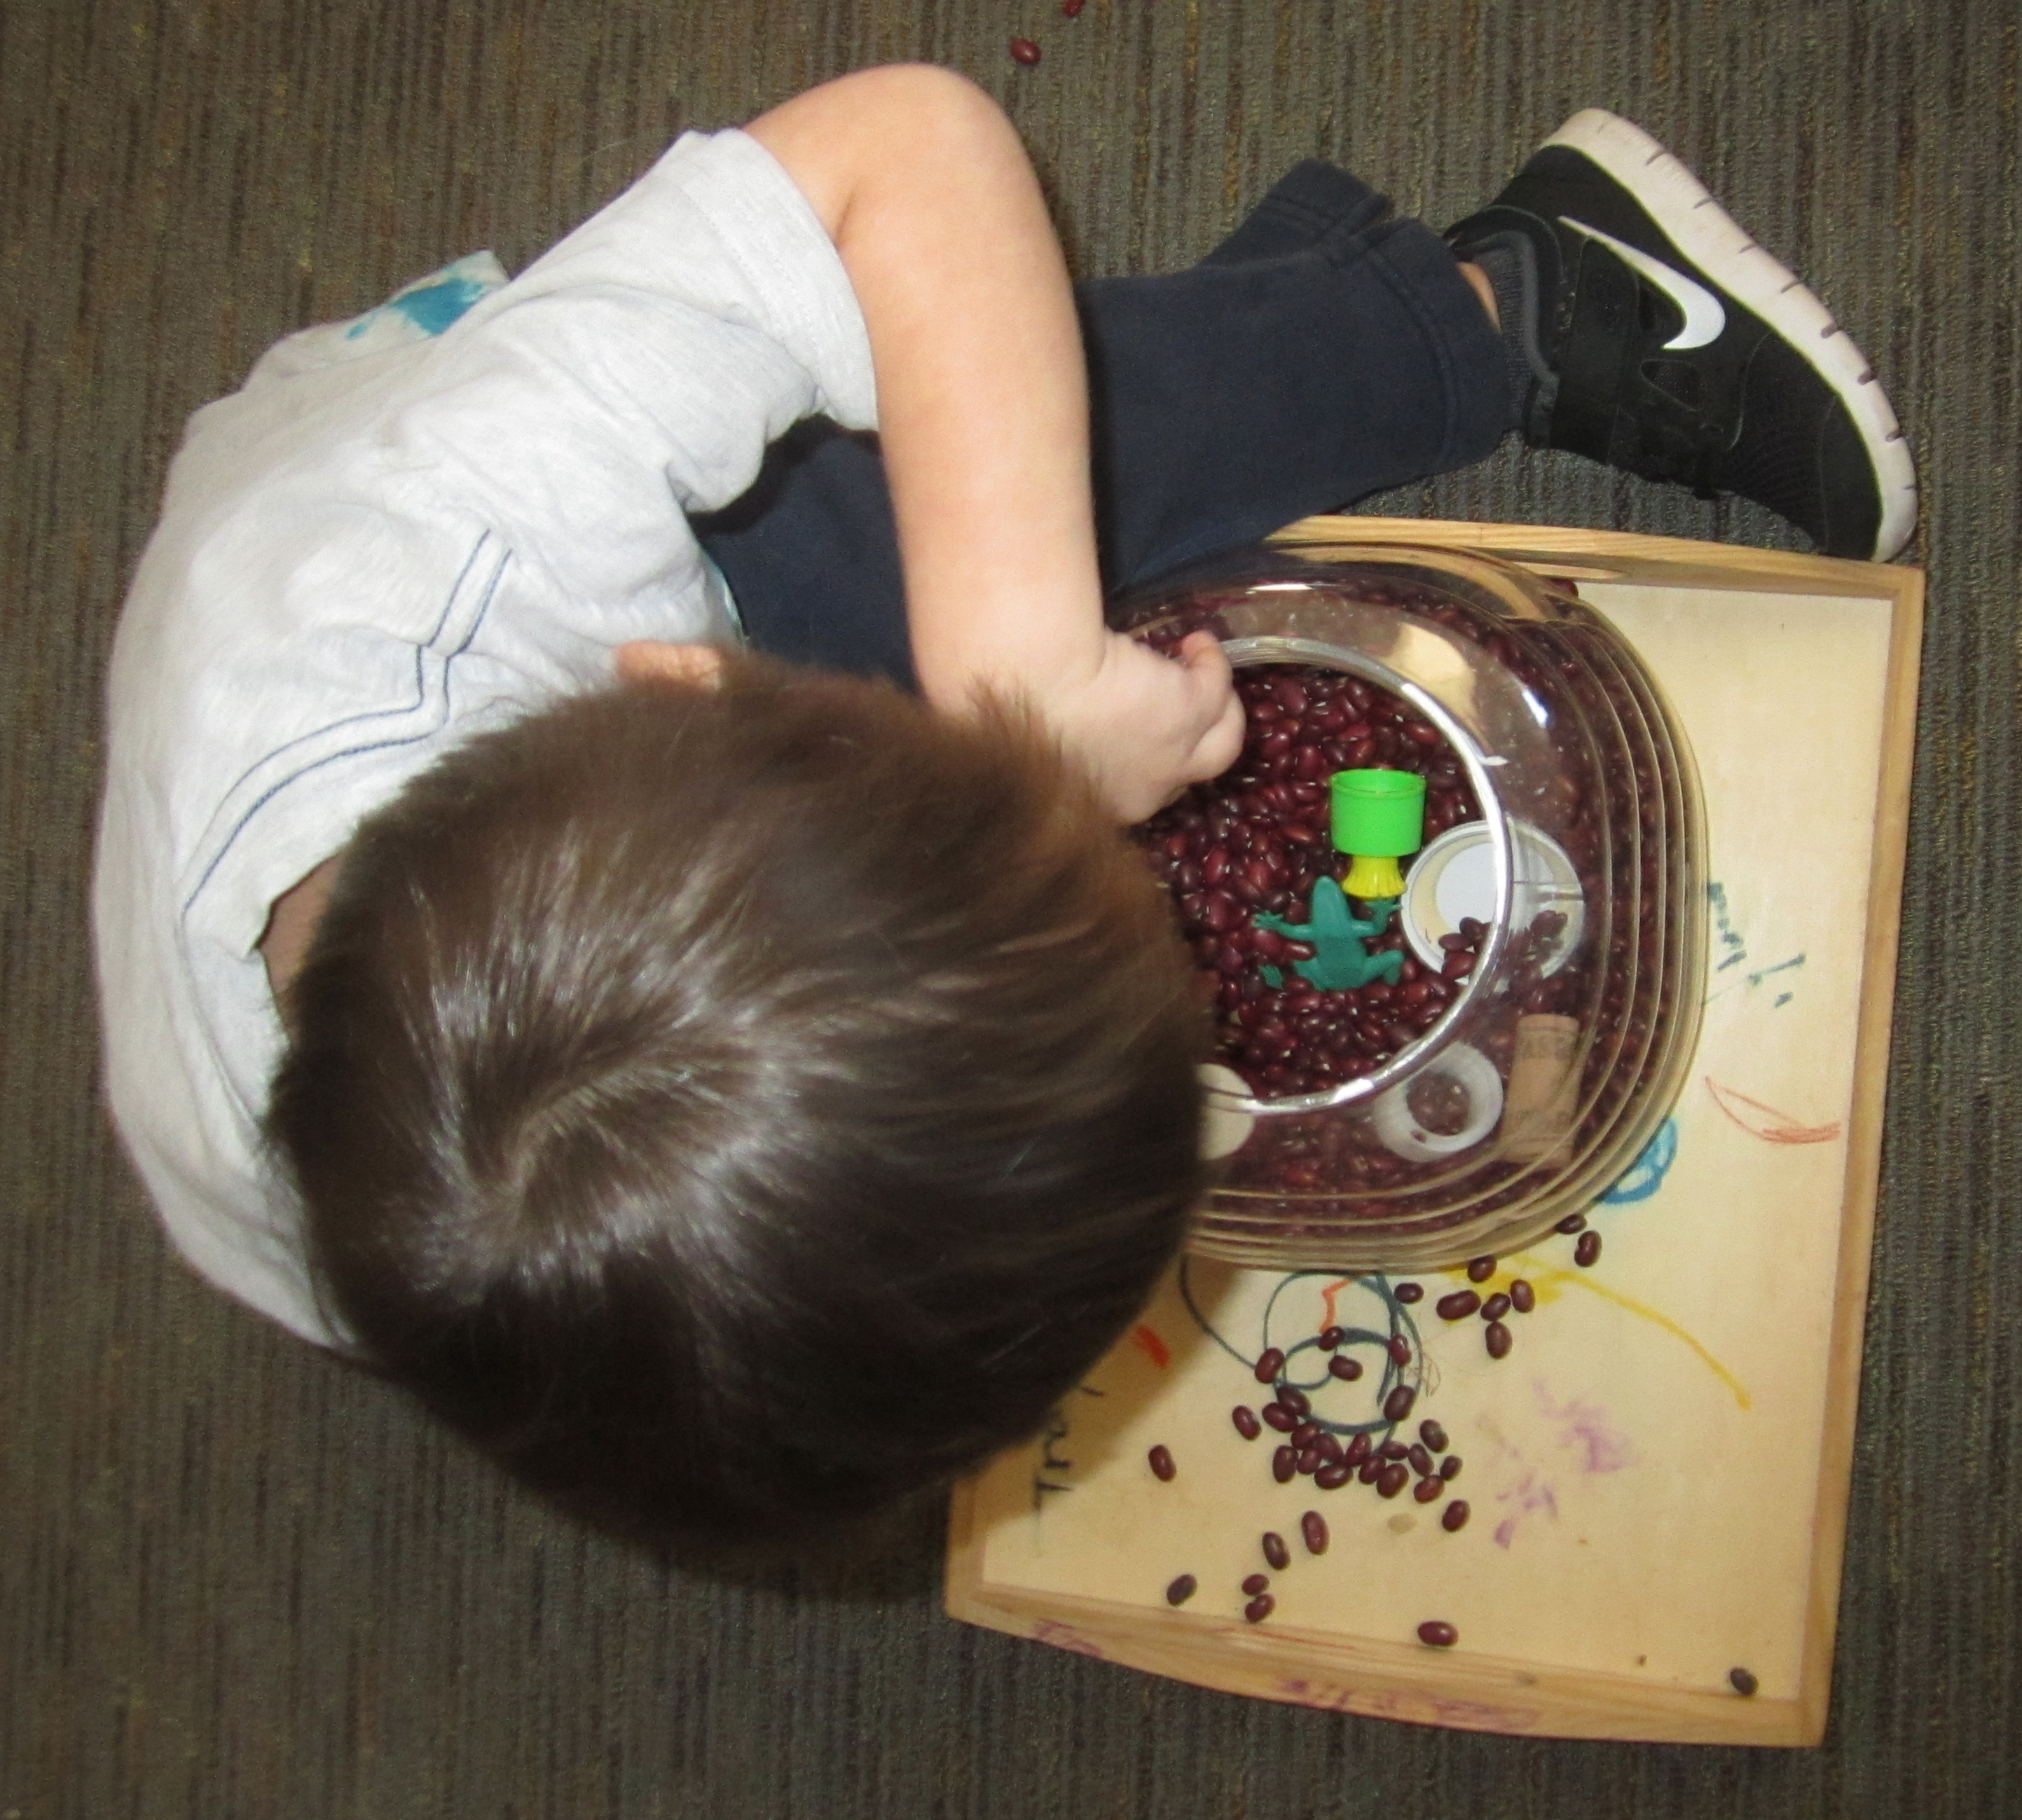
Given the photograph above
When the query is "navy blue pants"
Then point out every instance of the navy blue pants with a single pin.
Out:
(1323, 352)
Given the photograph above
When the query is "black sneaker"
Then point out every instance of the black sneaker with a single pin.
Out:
(1658, 337)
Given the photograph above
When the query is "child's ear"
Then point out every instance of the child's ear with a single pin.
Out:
(650, 662)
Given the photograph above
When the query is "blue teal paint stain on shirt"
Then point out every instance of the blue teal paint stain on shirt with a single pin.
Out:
(1645, 1176)
(430, 308)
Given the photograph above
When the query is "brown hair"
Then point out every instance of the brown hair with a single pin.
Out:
(735, 1109)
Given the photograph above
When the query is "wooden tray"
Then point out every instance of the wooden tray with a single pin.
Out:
(1658, 1474)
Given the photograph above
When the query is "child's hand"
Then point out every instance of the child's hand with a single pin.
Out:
(1147, 725)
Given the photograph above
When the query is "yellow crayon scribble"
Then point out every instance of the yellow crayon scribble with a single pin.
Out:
(1548, 1276)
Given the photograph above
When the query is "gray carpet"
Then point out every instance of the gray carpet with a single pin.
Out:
(235, 1580)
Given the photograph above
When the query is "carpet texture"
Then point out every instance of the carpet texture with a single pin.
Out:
(237, 1579)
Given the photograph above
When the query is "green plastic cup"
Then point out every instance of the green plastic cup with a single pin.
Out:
(1380, 814)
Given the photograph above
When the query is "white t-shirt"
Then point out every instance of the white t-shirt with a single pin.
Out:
(401, 531)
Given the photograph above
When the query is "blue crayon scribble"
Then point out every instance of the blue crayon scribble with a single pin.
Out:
(1725, 935)
(1731, 946)
(1645, 1176)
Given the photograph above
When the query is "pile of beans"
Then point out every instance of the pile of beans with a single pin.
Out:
(1618, 813)
(1256, 839)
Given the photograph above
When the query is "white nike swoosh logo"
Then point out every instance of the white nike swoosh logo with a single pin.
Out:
(1704, 318)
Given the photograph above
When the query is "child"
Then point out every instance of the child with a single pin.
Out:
(739, 1097)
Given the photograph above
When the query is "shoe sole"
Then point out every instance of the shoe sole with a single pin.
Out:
(1704, 231)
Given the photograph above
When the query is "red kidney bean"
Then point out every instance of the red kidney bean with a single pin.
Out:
(1458, 1305)
(1348, 1370)
(1256, 1583)
(1454, 1516)
(1426, 1490)
(1359, 1448)
(1161, 1459)
(1742, 1682)
(1333, 1476)
(1587, 1252)
(1276, 1415)
(1310, 1460)
(1330, 1338)
(1275, 1552)
(1400, 1349)
(1305, 1434)
(1313, 1532)
(1330, 1447)
(1393, 1478)
(1268, 1365)
(1480, 1269)
(1523, 1298)
(1572, 1223)
(1371, 1470)
(1246, 1421)
(1023, 51)
(1450, 1467)
(1259, 1608)
(1296, 1401)
(1433, 1434)
(1284, 1463)
(1393, 1448)
(1397, 1406)
(1182, 1589)
(1495, 1307)
(1421, 1456)
(1437, 1634)
(1071, 8)
(1409, 1292)
(1498, 1339)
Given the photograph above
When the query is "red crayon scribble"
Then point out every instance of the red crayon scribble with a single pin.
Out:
(1765, 1122)
(1152, 1346)
(1328, 1295)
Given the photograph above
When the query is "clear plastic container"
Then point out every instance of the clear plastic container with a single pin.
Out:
(1556, 912)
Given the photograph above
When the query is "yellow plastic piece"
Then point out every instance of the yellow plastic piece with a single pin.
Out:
(1373, 876)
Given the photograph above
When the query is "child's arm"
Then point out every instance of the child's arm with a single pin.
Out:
(983, 410)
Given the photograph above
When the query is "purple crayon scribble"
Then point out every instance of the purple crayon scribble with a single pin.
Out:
(1530, 1493)
(1602, 1447)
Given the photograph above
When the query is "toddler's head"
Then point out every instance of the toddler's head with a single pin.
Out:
(736, 1108)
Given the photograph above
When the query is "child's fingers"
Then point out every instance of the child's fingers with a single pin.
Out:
(1214, 681)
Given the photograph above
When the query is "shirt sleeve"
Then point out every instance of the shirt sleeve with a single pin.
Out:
(661, 347)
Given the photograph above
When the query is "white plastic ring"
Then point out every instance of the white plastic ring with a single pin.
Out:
(1399, 1127)
(1224, 1128)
